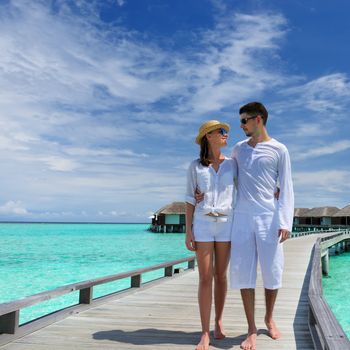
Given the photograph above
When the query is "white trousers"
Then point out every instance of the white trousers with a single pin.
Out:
(255, 237)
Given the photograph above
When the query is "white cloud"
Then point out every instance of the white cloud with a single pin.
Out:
(60, 164)
(13, 208)
(230, 70)
(322, 188)
(328, 94)
(118, 214)
(325, 180)
(308, 129)
(318, 151)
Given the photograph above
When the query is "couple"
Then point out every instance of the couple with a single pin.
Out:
(256, 230)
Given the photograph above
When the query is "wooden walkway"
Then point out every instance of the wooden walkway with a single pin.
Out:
(165, 316)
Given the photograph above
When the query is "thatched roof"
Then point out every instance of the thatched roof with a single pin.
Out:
(343, 212)
(301, 212)
(173, 208)
(322, 212)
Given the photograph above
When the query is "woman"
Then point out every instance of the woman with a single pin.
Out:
(208, 223)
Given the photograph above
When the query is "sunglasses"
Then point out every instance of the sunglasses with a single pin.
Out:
(245, 120)
(223, 132)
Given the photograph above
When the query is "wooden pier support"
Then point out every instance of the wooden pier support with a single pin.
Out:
(347, 245)
(337, 249)
(325, 264)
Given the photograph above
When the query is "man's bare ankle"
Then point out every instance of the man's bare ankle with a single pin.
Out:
(268, 319)
(252, 330)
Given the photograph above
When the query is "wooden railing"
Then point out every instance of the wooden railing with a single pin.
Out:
(326, 332)
(9, 312)
(316, 232)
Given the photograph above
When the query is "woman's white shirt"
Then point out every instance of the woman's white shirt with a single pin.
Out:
(218, 187)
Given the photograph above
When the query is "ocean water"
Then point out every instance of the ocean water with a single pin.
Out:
(336, 289)
(40, 257)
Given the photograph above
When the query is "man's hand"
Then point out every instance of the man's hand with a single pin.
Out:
(190, 242)
(283, 234)
(198, 195)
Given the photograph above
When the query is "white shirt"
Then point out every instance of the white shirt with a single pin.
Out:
(260, 169)
(218, 187)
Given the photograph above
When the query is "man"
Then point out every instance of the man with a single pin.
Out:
(261, 222)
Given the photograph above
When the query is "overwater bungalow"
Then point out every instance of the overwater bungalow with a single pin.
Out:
(300, 216)
(321, 216)
(170, 218)
(342, 217)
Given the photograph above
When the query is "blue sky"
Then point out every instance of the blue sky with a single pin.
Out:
(101, 100)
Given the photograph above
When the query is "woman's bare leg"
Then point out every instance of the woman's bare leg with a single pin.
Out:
(222, 258)
(205, 253)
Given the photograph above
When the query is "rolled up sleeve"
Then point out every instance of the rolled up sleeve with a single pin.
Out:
(191, 184)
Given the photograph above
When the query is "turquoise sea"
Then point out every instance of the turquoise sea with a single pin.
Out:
(40, 257)
(336, 289)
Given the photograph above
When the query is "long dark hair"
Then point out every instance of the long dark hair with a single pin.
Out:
(204, 152)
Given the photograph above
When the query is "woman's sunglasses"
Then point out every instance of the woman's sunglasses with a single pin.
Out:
(245, 120)
(223, 132)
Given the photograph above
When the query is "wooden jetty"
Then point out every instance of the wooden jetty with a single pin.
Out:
(165, 315)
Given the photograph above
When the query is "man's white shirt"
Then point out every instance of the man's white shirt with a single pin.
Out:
(260, 170)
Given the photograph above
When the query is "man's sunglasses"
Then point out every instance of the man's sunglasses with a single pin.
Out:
(245, 120)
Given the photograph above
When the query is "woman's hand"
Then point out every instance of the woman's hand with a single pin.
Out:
(277, 193)
(190, 242)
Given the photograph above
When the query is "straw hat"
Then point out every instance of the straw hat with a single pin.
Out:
(209, 126)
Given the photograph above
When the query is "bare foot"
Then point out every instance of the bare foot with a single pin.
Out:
(250, 342)
(272, 329)
(204, 342)
(219, 332)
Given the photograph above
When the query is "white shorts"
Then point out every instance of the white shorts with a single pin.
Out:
(212, 229)
(253, 237)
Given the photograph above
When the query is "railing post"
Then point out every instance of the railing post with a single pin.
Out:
(168, 271)
(191, 264)
(136, 281)
(85, 296)
(9, 323)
